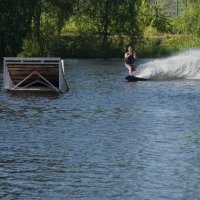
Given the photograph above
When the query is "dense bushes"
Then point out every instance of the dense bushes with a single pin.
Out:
(189, 22)
(166, 45)
(84, 46)
(88, 29)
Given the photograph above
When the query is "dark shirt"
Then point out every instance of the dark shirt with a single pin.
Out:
(129, 60)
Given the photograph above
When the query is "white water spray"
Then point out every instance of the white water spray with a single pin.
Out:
(185, 65)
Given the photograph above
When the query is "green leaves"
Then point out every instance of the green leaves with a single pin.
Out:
(35, 26)
(15, 24)
(189, 21)
(48, 19)
(150, 15)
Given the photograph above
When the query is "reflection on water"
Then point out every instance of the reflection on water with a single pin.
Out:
(104, 139)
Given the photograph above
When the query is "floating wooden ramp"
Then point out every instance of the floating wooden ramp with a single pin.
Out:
(34, 74)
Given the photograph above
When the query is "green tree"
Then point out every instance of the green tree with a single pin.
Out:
(15, 24)
(48, 19)
(152, 16)
(189, 21)
(107, 19)
(100, 14)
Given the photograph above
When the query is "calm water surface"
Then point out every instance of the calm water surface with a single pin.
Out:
(104, 139)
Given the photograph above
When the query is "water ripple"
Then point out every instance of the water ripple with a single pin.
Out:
(104, 139)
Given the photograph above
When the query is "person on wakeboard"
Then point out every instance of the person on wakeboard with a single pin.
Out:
(130, 57)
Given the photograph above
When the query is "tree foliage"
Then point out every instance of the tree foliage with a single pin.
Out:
(15, 24)
(47, 21)
(152, 16)
(106, 18)
(35, 27)
(189, 21)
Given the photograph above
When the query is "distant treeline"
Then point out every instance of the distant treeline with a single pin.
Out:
(90, 28)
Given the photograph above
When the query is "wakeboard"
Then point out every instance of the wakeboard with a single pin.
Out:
(134, 78)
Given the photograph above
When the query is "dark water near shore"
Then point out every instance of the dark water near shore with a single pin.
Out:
(104, 139)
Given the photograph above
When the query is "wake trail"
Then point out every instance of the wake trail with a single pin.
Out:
(185, 65)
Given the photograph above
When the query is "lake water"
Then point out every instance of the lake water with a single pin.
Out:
(106, 139)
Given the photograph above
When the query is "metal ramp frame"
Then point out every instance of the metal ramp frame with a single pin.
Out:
(46, 82)
(21, 74)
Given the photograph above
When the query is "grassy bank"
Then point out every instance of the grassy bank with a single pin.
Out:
(166, 45)
(149, 47)
(89, 46)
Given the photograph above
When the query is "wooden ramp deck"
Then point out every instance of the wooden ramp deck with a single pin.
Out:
(34, 74)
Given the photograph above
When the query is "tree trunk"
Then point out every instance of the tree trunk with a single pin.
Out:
(37, 24)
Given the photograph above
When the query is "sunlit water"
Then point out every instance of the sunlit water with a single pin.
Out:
(106, 138)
